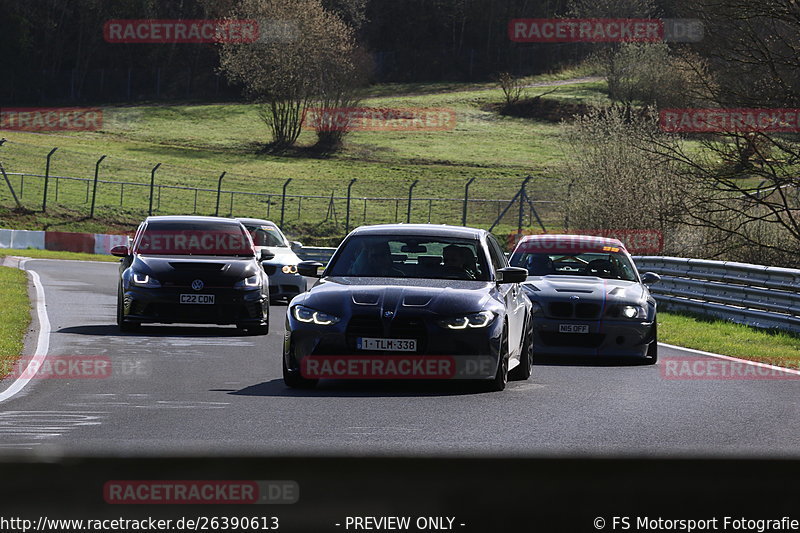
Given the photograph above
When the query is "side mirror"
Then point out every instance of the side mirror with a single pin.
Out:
(512, 275)
(120, 251)
(311, 269)
(648, 278)
(266, 255)
(295, 245)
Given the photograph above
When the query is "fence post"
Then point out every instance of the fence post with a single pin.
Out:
(231, 210)
(194, 211)
(219, 191)
(466, 199)
(522, 196)
(152, 188)
(47, 179)
(94, 191)
(347, 216)
(283, 201)
(410, 192)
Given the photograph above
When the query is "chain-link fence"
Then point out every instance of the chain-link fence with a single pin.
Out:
(46, 177)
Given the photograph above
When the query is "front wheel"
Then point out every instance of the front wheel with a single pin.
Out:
(500, 379)
(652, 351)
(294, 380)
(124, 326)
(525, 368)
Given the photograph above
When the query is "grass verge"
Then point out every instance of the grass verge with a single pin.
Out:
(49, 254)
(14, 315)
(728, 338)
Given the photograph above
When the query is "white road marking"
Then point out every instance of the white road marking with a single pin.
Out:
(42, 343)
(729, 358)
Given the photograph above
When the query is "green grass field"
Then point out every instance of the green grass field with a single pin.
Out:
(14, 315)
(195, 143)
(727, 338)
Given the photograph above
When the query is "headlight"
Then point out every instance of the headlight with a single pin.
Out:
(143, 280)
(248, 283)
(633, 312)
(308, 315)
(476, 320)
(289, 269)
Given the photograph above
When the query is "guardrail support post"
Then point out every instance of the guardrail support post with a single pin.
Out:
(47, 179)
(466, 199)
(219, 191)
(347, 216)
(152, 188)
(283, 200)
(94, 190)
(410, 193)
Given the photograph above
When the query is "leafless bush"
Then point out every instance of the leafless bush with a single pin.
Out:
(512, 87)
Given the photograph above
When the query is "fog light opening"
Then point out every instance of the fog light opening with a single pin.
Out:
(620, 340)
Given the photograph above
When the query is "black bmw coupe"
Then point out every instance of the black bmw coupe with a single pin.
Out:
(411, 302)
(201, 270)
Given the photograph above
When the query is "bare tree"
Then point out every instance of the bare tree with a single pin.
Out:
(304, 51)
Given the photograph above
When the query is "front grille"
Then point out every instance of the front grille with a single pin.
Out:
(581, 310)
(396, 328)
(576, 340)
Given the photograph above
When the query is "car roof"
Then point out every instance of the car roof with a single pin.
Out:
(561, 242)
(260, 221)
(438, 230)
(191, 218)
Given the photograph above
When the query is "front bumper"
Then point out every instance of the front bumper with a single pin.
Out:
(231, 306)
(282, 285)
(605, 337)
(303, 340)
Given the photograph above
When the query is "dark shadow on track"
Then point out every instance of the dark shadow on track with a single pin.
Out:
(364, 389)
(105, 330)
(583, 360)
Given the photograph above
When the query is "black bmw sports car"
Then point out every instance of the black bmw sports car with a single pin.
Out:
(589, 298)
(201, 270)
(411, 302)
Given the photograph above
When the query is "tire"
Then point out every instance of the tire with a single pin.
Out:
(124, 326)
(294, 380)
(498, 383)
(652, 351)
(258, 330)
(525, 368)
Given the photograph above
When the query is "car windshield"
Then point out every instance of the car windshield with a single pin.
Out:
(265, 235)
(384, 256)
(194, 238)
(613, 265)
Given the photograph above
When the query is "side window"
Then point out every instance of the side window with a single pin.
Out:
(498, 259)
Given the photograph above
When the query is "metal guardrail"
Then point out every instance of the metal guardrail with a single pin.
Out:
(756, 295)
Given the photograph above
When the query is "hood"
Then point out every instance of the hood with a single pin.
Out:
(350, 295)
(181, 268)
(586, 288)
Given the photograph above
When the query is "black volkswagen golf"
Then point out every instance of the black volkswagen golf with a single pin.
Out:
(201, 270)
(411, 302)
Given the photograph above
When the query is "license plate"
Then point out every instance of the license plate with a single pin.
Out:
(573, 328)
(207, 299)
(387, 345)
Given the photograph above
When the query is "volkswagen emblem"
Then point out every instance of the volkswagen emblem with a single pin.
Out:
(388, 314)
(198, 285)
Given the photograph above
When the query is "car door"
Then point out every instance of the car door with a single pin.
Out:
(512, 294)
